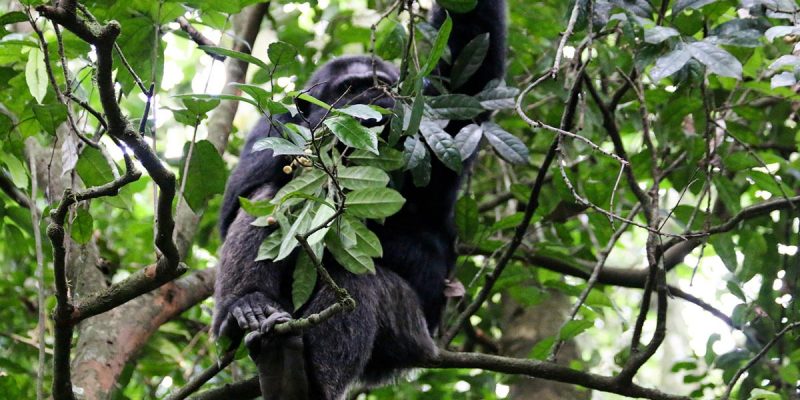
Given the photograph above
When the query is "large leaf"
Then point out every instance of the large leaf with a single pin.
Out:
(262, 97)
(497, 96)
(50, 116)
(455, 106)
(235, 54)
(670, 63)
(323, 213)
(362, 177)
(281, 53)
(442, 145)
(438, 47)
(658, 34)
(391, 39)
(205, 176)
(36, 74)
(467, 140)
(507, 146)
(389, 159)
(352, 258)
(414, 152)
(361, 111)
(716, 59)
(301, 225)
(304, 279)
(681, 5)
(374, 202)
(366, 240)
(470, 59)
(352, 133)
(279, 146)
(466, 217)
(307, 183)
(81, 228)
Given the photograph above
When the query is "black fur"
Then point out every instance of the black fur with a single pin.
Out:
(400, 306)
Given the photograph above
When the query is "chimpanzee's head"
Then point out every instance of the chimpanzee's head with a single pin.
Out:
(350, 80)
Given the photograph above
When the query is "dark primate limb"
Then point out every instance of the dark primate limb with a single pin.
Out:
(281, 365)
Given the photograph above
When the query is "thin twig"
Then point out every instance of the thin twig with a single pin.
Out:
(573, 18)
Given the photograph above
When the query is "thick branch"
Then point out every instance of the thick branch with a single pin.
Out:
(508, 365)
(8, 187)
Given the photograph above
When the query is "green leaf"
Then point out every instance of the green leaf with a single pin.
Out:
(670, 63)
(269, 247)
(352, 258)
(507, 146)
(199, 106)
(352, 133)
(205, 177)
(415, 152)
(390, 41)
(681, 5)
(455, 106)
(307, 183)
(373, 202)
(301, 225)
(658, 34)
(279, 146)
(323, 213)
(389, 159)
(203, 96)
(304, 280)
(50, 116)
(763, 394)
(442, 145)
(93, 168)
(262, 97)
(574, 328)
(497, 96)
(470, 59)
(467, 140)
(81, 231)
(281, 53)
(417, 111)
(458, 6)
(12, 17)
(466, 218)
(716, 59)
(36, 74)
(438, 47)
(541, 350)
(256, 208)
(726, 190)
(367, 241)
(417, 160)
(725, 249)
(361, 111)
(235, 54)
(362, 177)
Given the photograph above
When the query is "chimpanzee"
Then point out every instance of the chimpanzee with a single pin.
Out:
(398, 307)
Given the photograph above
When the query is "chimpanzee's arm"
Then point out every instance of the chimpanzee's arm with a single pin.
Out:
(488, 16)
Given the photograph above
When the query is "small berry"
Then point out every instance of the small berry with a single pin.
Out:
(287, 169)
(271, 221)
